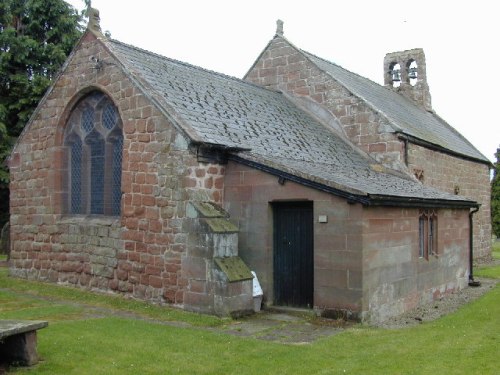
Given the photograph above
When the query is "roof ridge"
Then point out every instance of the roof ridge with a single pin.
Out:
(188, 65)
(469, 151)
(364, 78)
(367, 79)
(341, 67)
(375, 108)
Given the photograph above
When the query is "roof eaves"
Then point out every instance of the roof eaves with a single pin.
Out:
(352, 197)
(432, 146)
(387, 200)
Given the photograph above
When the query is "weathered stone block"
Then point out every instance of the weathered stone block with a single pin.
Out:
(200, 302)
(194, 268)
(102, 270)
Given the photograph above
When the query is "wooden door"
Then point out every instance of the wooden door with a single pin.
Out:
(293, 254)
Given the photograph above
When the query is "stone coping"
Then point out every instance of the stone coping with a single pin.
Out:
(234, 268)
(14, 327)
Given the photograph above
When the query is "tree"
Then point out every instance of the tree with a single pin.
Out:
(495, 197)
(36, 36)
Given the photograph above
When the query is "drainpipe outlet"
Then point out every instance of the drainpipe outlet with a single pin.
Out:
(472, 282)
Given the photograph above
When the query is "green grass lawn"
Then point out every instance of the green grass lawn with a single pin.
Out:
(492, 272)
(3, 256)
(76, 342)
(495, 252)
(161, 313)
(489, 272)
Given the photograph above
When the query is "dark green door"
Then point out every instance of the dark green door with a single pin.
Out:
(293, 254)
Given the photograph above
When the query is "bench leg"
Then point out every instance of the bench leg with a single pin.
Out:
(20, 349)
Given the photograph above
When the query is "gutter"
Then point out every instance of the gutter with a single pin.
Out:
(472, 282)
(432, 146)
(388, 200)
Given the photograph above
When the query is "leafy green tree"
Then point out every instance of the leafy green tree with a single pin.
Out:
(495, 197)
(36, 36)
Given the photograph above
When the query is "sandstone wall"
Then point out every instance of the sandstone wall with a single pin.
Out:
(458, 176)
(140, 253)
(283, 67)
(395, 278)
(366, 259)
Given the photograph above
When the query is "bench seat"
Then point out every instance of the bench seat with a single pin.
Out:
(18, 341)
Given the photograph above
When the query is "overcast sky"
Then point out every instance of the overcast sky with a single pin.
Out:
(460, 40)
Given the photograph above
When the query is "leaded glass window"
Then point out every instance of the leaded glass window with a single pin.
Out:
(76, 175)
(93, 142)
(88, 120)
(97, 166)
(117, 176)
(109, 117)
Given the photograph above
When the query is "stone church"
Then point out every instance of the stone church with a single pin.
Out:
(155, 179)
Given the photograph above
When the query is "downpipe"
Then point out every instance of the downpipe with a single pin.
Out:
(472, 282)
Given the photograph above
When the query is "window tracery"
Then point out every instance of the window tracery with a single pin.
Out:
(93, 142)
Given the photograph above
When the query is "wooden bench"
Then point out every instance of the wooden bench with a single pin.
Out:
(18, 341)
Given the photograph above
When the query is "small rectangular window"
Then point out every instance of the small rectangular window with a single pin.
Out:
(427, 234)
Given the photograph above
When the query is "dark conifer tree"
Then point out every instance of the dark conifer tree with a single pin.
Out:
(36, 36)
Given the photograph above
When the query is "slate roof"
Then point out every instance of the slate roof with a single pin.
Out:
(404, 115)
(217, 109)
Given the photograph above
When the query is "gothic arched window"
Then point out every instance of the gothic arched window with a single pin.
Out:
(93, 140)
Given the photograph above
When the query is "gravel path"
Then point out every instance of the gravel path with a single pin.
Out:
(445, 305)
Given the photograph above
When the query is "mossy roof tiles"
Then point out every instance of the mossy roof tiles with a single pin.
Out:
(226, 111)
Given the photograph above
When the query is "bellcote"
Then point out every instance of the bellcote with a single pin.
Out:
(405, 72)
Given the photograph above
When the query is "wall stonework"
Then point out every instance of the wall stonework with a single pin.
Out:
(395, 278)
(337, 246)
(139, 253)
(366, 259)
(456, 175)
(281, 66)
(74, 250)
